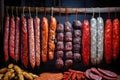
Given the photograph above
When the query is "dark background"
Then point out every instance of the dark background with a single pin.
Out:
(49, 66)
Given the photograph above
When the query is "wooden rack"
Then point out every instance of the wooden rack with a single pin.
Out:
(69, 10)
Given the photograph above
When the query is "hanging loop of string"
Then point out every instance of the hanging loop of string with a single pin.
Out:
(51, 11)
(7, 11)
(115, 12)
(44, 11)
(76, 13)
(29, 12)
(12, 11)
(99, 11)
(16, 11)
(23, 11)
(108, 12)
(93, 13)
(66, 11)
(36, 11)
(59, 13)
(85, 13)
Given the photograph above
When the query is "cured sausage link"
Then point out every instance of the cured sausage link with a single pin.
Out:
(51, 44)
(31, 42)
(17, 38)
(6, 38)
(12, 38)
(108, 41)
(44, 38)
(115, 42)
(86, 42)
(37, 40)
(24, 42)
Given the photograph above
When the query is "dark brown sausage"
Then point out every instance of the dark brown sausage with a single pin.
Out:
(51, 44)
(6, 38)
(37, 40)
(12, 38)
(24, 42)
(17, 38)
(44, 38)
(31, 42)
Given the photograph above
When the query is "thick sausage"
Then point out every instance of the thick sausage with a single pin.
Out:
(51, 44)
(86, 42)
(37, 40)
(24, 42)
(115, 38)
(93, 30)
(100, 37)
(17, 38)
(31, 42)
(12, 38)
(44, 38)
(6, 38)
(108, 41)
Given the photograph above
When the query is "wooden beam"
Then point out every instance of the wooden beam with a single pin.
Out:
(71, 10)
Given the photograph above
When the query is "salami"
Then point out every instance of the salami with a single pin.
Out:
(93, 29)
(44, 39)
(6, 38)
(86, 42)
(37, 40)
(24, 42)
(100, 36)
(12, 38)
(51, 44)
(115, 41)
(17, 38)
(31, 42)
(108, 41)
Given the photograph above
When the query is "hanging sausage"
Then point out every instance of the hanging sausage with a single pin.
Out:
(100, 36)
(24, 41)
(108, 41)
(31, 41)
(6, 38)
(37, 39)
(44, 38)
(52, 30)
(115, 41)
(85, 42)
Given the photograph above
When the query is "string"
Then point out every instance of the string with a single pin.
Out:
(99, 12)
(85, 9)
(23, 11)
(29, 12)
(36, 12)
(12, 12)
(59, 14)
(76, 13)
(16, 11)
(44, 11)
(93, 12)
(66, 14)
(51, 11)
(115, 12)
(108, 12)
(7, 11)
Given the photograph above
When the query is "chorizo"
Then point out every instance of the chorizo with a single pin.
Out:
(31, 42)
(44, 39)
(86, 42)
(37, 40)
(17, 38)
(24, 42)
(115, 41)
(12, 38)
(6, 38)
(51, 44)
(108, 41)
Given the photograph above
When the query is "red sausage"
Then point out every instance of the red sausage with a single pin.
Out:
(6, 37)
(115, 42)
(37, 40)
(24, 42)
(31, 42)
(86, 42)
(108, 41)
(12, 38)
(17, 38)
